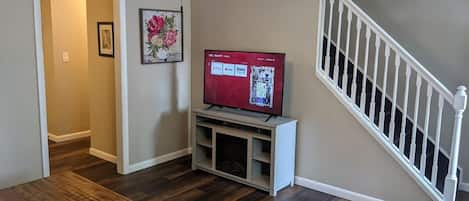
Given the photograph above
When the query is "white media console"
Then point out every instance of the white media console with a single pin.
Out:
(243, 147)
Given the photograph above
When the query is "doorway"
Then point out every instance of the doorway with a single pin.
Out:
(79, 83)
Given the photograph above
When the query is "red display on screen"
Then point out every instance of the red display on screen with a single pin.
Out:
(246, 80)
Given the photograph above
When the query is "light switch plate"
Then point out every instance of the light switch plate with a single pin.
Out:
(65, 57)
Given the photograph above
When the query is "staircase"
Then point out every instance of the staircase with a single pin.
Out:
(411, 123)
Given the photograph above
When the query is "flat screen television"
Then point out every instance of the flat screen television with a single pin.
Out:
(246, 80)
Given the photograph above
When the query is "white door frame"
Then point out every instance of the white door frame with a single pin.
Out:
(122, 130)
(41, 87)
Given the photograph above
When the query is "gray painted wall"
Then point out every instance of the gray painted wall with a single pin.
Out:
(436, 33)
(332, 147)
(159, 94)
(20, 151)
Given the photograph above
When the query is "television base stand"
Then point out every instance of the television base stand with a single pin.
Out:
(212, 106)
(269, 117)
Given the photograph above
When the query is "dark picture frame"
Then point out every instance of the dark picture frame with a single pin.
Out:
(161, 36)
(106, 39)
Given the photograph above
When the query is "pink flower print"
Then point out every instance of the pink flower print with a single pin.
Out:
(170, 38)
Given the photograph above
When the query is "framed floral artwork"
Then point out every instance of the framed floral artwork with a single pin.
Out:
(161, 33)
(106, 39)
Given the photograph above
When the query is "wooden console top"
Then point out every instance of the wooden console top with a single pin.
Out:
(244, 117)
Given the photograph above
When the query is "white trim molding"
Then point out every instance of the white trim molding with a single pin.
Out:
(69, 136)
(103, 155)
(122, 109)
(464, 187)
(333, 190)
(159, 160)
(41, 87)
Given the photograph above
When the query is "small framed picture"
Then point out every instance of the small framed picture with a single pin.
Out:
(161, 34)
(106, 39)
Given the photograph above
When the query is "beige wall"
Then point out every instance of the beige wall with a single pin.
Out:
(332, 147)
(67, 83)
(101, 79)
(20, 151)
(158, 94)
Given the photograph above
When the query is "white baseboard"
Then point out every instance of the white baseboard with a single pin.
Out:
(464, 187)
(332, 190)
(160, 159)
(70, 136)
(103, 155)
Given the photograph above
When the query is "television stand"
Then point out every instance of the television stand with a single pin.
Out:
(244, 147)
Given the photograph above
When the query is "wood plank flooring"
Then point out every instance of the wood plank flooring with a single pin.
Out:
(66, 186)
(175, 181)
(463, 196)
(71, 155)
(172, 181)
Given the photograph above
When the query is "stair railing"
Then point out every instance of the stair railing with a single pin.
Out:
(337, 8)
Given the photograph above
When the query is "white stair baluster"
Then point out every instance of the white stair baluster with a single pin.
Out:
(365, 72)
(437, 139)
(355, 65)
(383, 94)
(413, 144)
(451, 182)
(404, 113)
(329, 37)
(423, 159)
(375, 75)
(392, 125)
(347, 51)
(404, 144)
(337, 48)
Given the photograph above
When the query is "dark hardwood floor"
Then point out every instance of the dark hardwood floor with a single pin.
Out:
(172, 181)
(463, 196)
(71, 155)
(85, 177)
(175, 181)
(66, 186)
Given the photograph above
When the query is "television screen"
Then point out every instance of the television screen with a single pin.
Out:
(246, 80)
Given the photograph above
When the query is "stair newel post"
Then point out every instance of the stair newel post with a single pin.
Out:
(337, 49)
(385, 85)
(404, 113)
(329, 37)
(413, 144)
(365, 72)
(375, 76)
(451, 182)
(347, 52)
(392, 126)
(355, 65)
